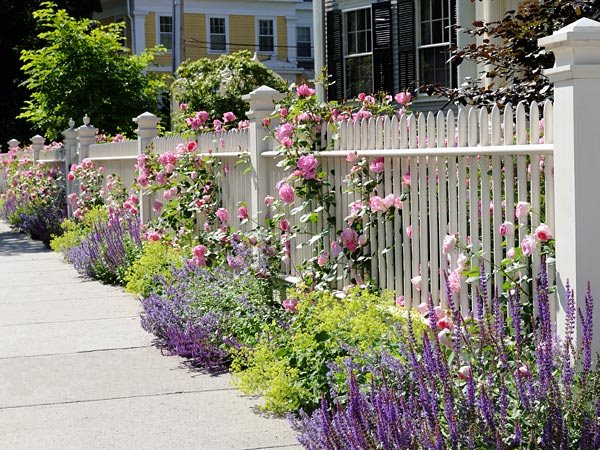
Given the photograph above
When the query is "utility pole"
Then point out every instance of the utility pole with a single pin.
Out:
(178, 41)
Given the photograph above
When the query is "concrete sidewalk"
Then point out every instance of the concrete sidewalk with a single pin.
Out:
(78, 372)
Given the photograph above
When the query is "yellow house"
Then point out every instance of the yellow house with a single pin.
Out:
(278, 31)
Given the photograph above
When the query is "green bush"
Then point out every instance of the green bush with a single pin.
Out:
(157, 260)
(294, 366)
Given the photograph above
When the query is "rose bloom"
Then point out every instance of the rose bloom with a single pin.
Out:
(308, 166)
(323, 259)
(376, 204)
(511, 253)
(304, 91)
(243, 213)
(445, 322)
(445, 338)
(377, 165)
(286, 193)
(528, 245)
(156, 206)
(423, 308)
(448, 244)
(153, 236)
(522, 210)
(336, 249)
(416, 282)
(506, 229)
(454, 281)
(543, 233)
(229, 117)
(223, 215)
(409, 231)
(400, 301)
(350, 239)
(403, 98)
(351, 157)
(269, 200)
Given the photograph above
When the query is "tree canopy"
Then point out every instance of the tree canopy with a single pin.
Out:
(84, 68)
(217, 85)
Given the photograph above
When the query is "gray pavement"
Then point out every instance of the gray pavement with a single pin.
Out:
(78, 372)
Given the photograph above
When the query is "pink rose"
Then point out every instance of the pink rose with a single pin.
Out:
(223, 215)
(448, 244)
(269, 200)
(71, 176)
(543, 233)
(377, 165)
(153, 236)
(350, 239)
(156, 206)
(376, 204)
(351, 157)
(286, 193)
(284, 225)
(323, 259)
(403, 98)
(308, 166)
(191, 146)
(287, 142)
(511, 253)
(400, 301)
(183, 106)
(229, 117)
(416, 282)
(522, 210)
(243, 213)
(522, 371)
(336, 249)
(445, 323)
(528, 245)
(389, 201)
(304, 91)
(423, 308)
(506, 229)
(409, 231)
(454, 281)
(266, 122)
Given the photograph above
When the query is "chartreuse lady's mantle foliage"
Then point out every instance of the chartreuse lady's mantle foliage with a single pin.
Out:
(84, 68)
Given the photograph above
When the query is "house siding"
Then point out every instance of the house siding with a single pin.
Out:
(242, 33)
(194, 31)
(282, 51)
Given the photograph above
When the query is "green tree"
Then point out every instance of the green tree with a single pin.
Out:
(217, 85)
(16, 34)
(84, 68)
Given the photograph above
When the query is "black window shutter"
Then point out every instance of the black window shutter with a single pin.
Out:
(383, 74)
(335, 55)
(406, 43)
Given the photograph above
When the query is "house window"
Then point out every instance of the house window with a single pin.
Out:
(358, 52)
(165, 29)
(218, 34)
(434, 42)
(304, 42)
(266, 35)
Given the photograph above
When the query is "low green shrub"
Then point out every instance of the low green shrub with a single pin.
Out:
(153, 269)
(294, 366)
(74, 231)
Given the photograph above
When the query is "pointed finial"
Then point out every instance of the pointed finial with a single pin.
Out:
(86, 120)
(71, 123)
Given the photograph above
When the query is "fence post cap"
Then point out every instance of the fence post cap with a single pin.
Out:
(581, 31)
(71, 123)
(37, 139)
(147, 120)
(13, 143)
(263, 95)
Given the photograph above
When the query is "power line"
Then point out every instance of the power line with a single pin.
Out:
(194, 41)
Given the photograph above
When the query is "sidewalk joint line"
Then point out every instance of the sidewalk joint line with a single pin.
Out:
(66, 321)
(2, 358)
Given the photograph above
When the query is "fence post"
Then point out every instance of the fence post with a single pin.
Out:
(37, 145)
(262, 103)
(69, 144)
(147, 130)
(86, 136)
(13, 143)
(576, 77)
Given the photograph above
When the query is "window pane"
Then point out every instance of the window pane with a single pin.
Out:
(166, 24)
(433, 67)
(438, 32)
(425, 33)
(265, 43)
(166, 40)
(351, 21)
(265, 27)
(217, 42)
(436, 12)
(359, 75)
(303, 34)
(217, 25)
(358, 31)
(303, 50)
(303, 40)
(425, 10)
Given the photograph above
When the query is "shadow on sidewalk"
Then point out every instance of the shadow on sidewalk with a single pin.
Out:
(14, 243)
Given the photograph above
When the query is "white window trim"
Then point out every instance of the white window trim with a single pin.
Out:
(208, 41)
(157, 25)
(354, 55)
(305, 58)
(419, 47)
(257, 20)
